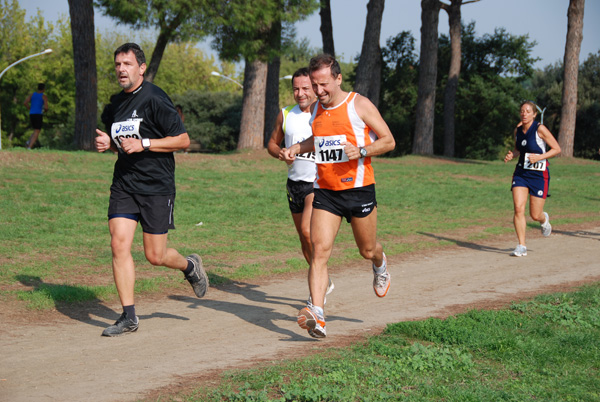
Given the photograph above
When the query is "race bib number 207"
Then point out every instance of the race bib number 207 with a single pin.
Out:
(125, 129)
(539, 165)
(330, 149)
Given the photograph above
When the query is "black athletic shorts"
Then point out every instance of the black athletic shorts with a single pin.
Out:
(358, 202)
(36, 121)
(154, 212)
(297, 191)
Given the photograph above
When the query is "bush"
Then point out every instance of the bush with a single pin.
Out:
(212, 118)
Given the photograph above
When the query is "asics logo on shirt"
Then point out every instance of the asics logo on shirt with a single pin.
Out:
(134, 114)
(125, 128)
(329, 143)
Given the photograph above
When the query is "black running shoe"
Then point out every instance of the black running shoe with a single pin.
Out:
(122, 326)
(197, 278)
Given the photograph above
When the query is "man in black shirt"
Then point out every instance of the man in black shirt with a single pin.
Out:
(145, 132)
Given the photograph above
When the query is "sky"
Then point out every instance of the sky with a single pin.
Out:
(545, 21)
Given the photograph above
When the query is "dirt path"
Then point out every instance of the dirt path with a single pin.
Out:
(183, 337)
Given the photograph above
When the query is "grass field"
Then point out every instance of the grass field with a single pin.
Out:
(547, 349)
(232, 209)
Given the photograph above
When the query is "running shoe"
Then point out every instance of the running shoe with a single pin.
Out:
(330, 287)
(197, 278)
(546, 226)
(123, 325)
(520, 251)
(312, 321)
(381, 282)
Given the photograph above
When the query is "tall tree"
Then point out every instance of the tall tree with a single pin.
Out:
(399, 89)
(272, 92)
(587, 135)
(327, 27)
(243, 32)
(84, 57)
(253, 105)
(425, 111)
(368, 71)
(453, 10)
(176, 20)
(568, 115)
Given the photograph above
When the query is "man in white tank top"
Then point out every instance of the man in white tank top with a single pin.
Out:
(292, 126)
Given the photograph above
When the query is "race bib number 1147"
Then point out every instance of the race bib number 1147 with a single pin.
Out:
(330, 149)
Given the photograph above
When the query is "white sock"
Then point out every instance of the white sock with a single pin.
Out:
(380, 270)
(319, 311)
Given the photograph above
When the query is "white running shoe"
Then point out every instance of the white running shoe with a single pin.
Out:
(330, 287)
(546, 226)
(520, 251)
(381, 282)
(312, 321)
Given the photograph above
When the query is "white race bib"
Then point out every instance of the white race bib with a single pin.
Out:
(540, 165)
(309, 156)
(330, 149)
(125, 129)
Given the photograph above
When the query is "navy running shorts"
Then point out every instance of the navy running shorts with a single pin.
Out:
(538, 185)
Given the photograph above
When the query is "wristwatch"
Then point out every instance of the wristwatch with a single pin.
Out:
(363, 152)
(146, 144)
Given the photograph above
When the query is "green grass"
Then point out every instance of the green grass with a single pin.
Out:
(547, 349)
(53, 217)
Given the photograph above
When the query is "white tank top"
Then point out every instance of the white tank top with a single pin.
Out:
(296, 128)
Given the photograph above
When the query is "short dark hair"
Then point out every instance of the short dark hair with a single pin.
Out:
(301, 72)
(132, 47)
(41, 86)
(325, 60)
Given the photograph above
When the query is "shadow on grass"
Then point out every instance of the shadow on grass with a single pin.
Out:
(259, 311)
(469, 245)
(79, 303)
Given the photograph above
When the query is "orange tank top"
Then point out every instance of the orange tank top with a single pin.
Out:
(332, 127)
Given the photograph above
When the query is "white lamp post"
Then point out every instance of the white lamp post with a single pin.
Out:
(216, 74)
(14, 64)
(542, 112)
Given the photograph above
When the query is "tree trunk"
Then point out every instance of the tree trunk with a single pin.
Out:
(253, 106)
(272, 98)
(425, 110)
(86, 87)
(368, 71)
(272, 90)
(327, 27)
(568, 113)
(453, 11)
(157, 54)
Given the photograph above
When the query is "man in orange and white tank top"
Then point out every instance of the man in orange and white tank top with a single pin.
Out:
(347, 131)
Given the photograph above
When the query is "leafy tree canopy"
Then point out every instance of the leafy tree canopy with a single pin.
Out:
(183, 19)
(498, 54)
(242, 26)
